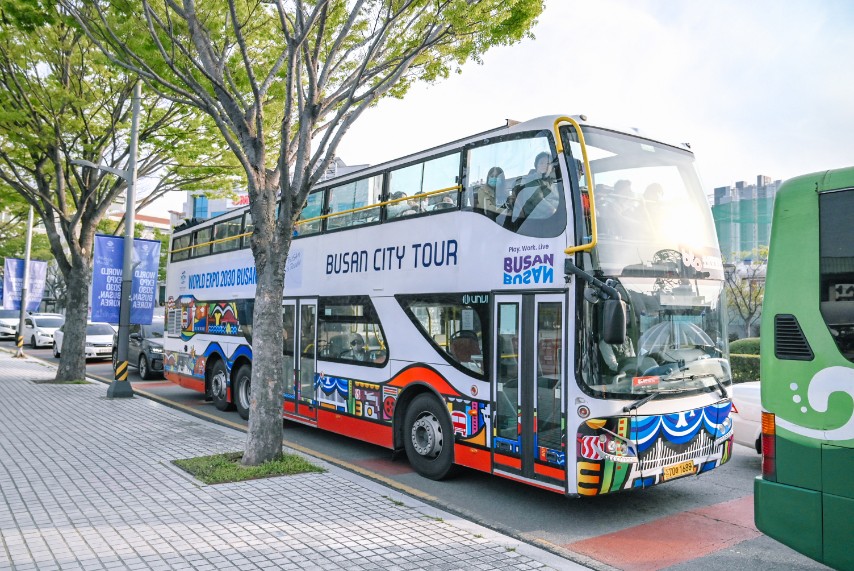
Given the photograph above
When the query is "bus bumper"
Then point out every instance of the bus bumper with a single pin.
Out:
(790, 515)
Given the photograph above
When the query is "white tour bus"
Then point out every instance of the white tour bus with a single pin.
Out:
(542, 301)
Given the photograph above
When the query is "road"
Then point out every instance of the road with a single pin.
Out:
(703, 522)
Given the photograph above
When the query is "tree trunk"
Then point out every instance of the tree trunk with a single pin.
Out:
(264, 437)
(72, 362)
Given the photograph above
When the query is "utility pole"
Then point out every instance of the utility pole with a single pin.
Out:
(120, 387)
(19, 338)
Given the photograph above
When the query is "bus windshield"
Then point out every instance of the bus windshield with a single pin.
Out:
(657, 241)
(650, 207)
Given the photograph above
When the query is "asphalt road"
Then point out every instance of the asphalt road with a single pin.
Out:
(703, 522)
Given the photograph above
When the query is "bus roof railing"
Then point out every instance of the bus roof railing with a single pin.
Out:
(419, 196)
(588, 175)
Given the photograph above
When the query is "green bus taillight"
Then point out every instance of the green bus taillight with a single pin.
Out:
(769, 447)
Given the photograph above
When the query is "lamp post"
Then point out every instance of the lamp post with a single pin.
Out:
(19, 338)
(120, 387)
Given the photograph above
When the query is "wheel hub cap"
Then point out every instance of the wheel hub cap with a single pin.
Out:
(427, 436)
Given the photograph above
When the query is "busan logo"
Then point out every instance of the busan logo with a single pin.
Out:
(182, 283)
(111, 246)
(529, 269)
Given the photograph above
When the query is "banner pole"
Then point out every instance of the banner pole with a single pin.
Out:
(120, 387)
(19, 338)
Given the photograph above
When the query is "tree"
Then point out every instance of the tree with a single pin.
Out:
(283, 81)
(745, 287)
(62, 100)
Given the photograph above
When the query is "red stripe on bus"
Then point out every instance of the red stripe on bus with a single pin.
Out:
(371, 432)
(508, 461)
(472, 457)
(551, 472)
(186, 381)
(674, 539)
(423, 374)
(289, 406)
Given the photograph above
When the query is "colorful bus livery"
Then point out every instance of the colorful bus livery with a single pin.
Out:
(804, 497)
(556, 328)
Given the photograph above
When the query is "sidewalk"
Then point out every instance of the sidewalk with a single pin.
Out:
(86, 483)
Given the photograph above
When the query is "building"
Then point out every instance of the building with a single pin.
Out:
(742, 216)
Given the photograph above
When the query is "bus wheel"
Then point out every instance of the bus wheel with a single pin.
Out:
(219, 386)
(428, 437)
(242, 390)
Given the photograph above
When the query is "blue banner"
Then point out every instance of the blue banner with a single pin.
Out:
(107, 279)
(13, 281)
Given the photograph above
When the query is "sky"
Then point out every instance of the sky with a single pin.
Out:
(755, 86)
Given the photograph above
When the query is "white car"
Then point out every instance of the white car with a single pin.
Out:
(9, 319)
(99, 340)
(747, 415)
(40, 327)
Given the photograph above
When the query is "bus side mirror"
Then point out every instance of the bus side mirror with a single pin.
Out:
(614, 321)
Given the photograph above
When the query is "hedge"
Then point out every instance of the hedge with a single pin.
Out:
(744, 368)
(746, 346)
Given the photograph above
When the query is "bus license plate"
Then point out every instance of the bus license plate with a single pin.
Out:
(678, 470)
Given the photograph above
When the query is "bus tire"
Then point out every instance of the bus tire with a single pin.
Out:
(243, 390)
(429, 438)
(219, 386)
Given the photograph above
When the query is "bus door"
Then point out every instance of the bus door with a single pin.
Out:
(299, 320)
(528, 388)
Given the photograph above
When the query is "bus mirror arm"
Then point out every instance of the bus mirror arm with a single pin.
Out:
(614, 310)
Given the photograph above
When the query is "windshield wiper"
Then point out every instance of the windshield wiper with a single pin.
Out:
(646, 399)
(694, 377)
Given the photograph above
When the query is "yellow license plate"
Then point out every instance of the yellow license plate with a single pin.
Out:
(678, 470)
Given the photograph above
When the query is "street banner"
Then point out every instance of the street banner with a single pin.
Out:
(13, 280)
(107, 279)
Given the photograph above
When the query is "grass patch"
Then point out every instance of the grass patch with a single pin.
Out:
(222, 468)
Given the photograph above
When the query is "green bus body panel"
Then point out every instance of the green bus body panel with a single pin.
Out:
(837, 468)
(838, 532)
(799, 462)
(790, 515)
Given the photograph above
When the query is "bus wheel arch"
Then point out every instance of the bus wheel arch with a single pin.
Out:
(241, 383)
(426, 433)
(216, 382)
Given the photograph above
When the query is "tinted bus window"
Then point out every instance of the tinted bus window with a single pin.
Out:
(353, 195)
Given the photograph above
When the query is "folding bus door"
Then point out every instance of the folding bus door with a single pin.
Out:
(299, 321)
(529, 428)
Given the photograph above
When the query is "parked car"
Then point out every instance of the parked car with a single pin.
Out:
(9, 319)
(747, 415)
(40, 327)
(145, 349)
(99, 340)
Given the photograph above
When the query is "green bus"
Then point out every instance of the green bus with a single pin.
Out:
(805, 496)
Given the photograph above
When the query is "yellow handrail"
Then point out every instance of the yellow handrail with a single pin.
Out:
(420, 197)
(590, 186)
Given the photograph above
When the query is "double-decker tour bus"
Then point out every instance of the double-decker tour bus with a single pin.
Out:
(541, 301)
(804, 497)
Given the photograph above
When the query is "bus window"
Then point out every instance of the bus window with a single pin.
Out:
(202, 242)
(354, 195)
(225, 233)
(454, 325)
(836, 250)
(518, 184)
(420, 178)
(349, 331)
(180, 244)
(248, 226)
(312, 209)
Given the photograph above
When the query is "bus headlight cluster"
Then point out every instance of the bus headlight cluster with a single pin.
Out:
(613, 446)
